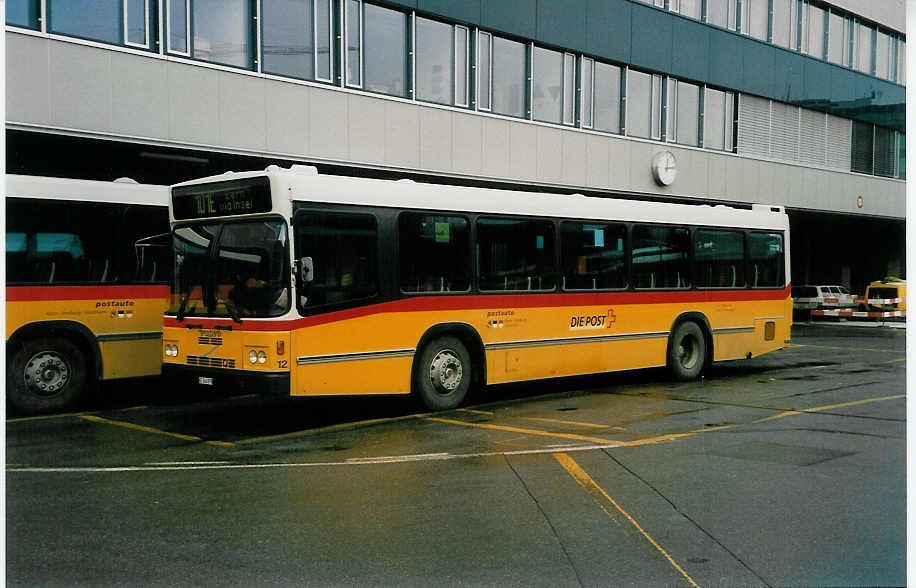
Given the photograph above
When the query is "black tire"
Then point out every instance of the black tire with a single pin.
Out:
(443, 375)
(687, 351)
(46, 375)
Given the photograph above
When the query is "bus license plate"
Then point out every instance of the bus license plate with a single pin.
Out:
(204, 381)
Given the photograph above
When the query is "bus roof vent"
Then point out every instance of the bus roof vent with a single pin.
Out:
(406, 181)
(126, 180)
(272, 168)
(306, 170)
(769, 208)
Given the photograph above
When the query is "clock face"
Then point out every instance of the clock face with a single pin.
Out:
(664, 168)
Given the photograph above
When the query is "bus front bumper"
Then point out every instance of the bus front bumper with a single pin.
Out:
(227, 381)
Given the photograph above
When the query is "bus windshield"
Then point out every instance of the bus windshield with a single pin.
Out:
(236, 270)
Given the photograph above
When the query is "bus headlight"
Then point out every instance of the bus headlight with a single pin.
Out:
(171, 350)
(253, 356)
(262, 357)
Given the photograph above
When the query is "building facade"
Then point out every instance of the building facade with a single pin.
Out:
(792, 102)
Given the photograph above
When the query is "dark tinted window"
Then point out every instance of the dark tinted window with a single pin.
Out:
(593, 256)
(53, 241)
(434, 253)
(99, 20)
(515, 254)
(660, 257)
(343, 251)
(719, 258)
(22, 13)
(766, 260)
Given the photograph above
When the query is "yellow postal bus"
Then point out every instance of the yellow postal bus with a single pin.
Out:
(307, 284)
(84, 302)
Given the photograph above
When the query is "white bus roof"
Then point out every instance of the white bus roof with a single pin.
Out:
(122, 192)
(304, 184)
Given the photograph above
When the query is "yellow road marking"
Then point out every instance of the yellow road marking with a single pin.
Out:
(895, 360)
(669, 437)
(145, 429)
(827, 407)
(591, 487)
(42, 417)
(575, 423)
(472, 411)
(525, 431)
(330, 429)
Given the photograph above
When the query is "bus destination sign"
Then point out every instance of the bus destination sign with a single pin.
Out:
(230, 198)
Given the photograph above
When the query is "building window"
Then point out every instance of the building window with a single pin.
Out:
(587, 93)
(661, 257)
(385, 50)
(901, 61)
(434, 253)
(288, 38)
(593, 256)
(136, 23)
(864, 37)
(901, 156)
(718, 258)
(813, 36)
(644, 100)
(441, 62)
(863, 149)
(22, 13)
(755, 18)
(885, 152)
(683, 113)
(222, 31)
(689, 8)
(722, 13)
(97, 20)
(836, 41)
(515, 254)
(785, 16)
(484, 67)
(718, 120)
(507, 77)
(178, 16)
(607, 97)
(354, 35)
(553, 81)
(325, 48)
(883, 61)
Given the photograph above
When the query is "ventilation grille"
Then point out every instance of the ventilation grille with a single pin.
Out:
(217, 362)
(210, 340)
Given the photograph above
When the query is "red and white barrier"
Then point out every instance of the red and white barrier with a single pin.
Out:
(859, 314)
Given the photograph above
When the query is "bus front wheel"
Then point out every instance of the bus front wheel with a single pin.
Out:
(46, 375)
(443, 374)
(687, 351)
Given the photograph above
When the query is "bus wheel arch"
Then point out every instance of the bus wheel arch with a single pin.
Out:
(690, 346)
(62, 356)
(453, 343)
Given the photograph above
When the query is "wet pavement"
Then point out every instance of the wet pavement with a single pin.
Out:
(788, 469)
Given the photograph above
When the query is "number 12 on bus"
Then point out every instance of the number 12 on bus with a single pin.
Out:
(330, 285)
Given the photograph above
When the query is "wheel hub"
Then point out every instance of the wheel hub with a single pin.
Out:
(46, 373)
(445, 371)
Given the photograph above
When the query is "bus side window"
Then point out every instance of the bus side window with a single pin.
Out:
(344, 252)
(766, 256)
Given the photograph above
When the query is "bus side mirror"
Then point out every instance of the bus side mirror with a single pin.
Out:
(306, 270)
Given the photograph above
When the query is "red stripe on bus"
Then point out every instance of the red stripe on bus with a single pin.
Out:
(498, 301)
(55, 292)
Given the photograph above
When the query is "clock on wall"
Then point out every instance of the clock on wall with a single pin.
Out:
(664, 168)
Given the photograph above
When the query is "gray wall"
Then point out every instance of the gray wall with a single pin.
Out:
(73, 87)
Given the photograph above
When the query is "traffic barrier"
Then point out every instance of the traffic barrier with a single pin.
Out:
(876, 300)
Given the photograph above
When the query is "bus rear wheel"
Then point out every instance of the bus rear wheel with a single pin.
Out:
(687, 351)
(46, 375)
(443, 374)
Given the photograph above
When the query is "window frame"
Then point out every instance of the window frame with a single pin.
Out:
(471, 221)
(488, 74)
(627, 253)
(379, 221)
(466, 95)
(744, 255)
(749, 259)
(475, 241)
(146, 25)
(689, 261)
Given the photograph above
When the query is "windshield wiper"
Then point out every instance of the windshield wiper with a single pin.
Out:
(182, 307)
